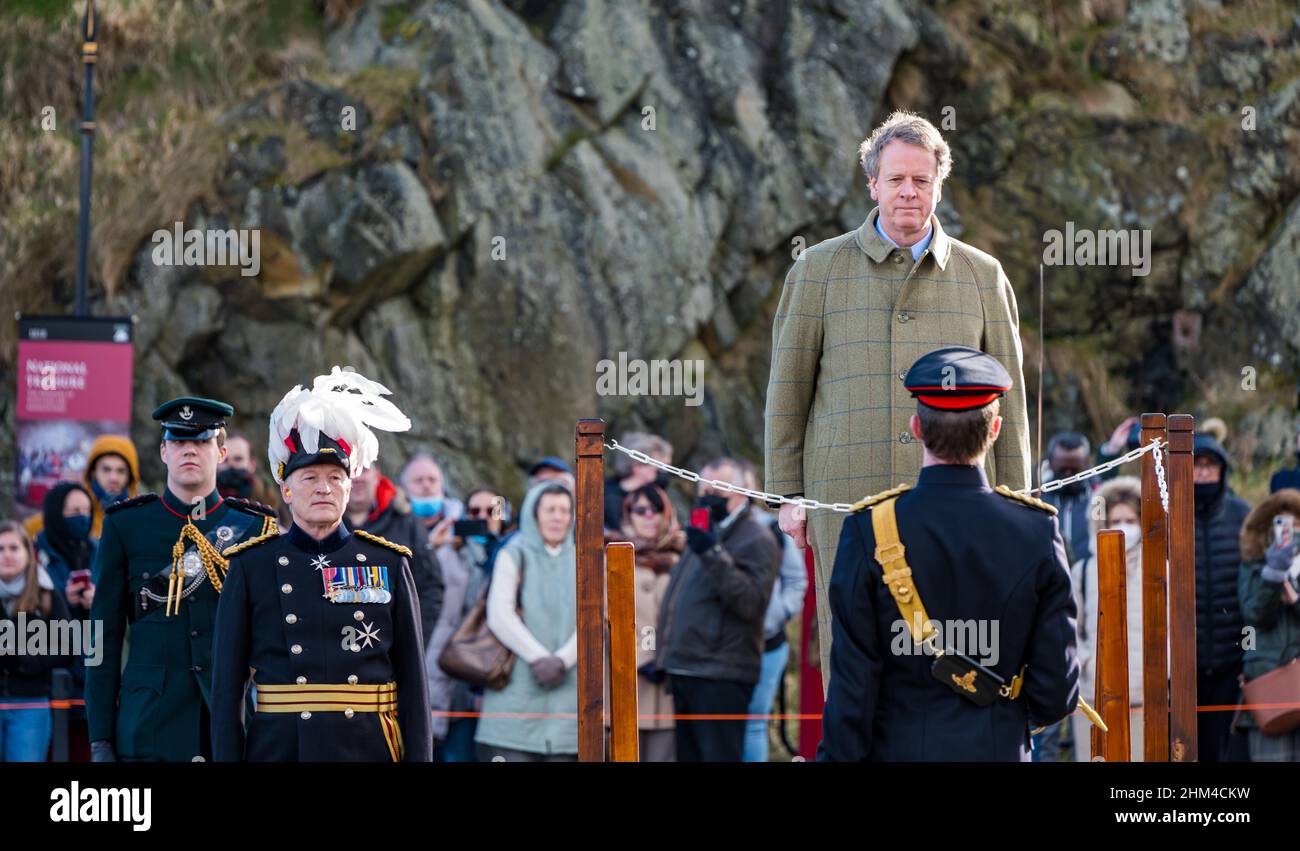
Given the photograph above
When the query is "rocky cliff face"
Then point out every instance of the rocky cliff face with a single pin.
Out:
(480, 201)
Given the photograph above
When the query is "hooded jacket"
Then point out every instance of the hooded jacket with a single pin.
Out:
(1276, 623)
(109, 444)
(105, 444)
(542, 581)
(1218, 561)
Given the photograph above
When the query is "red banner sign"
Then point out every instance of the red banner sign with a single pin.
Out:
(74, 384)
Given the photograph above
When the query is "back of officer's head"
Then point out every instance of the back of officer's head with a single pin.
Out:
(959, 437)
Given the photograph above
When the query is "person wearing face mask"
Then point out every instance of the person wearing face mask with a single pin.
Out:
(112, 475)
(379, 507)
(237, 475)
(1288, 477)
(1120, 507)
(65, 545)
(1220, 514)
(1068, 453)
(67, 553)
(532, 610)
(709, 639)
(422, 481)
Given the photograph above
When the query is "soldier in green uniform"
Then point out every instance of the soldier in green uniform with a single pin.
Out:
(158, 574)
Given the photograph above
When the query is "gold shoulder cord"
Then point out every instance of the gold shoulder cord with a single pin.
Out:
(897, 576)
(213, 563)
(384, 542)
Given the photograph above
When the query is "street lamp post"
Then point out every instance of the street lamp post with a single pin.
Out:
(89, 53)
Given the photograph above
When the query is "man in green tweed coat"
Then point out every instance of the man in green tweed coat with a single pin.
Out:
(855, 312)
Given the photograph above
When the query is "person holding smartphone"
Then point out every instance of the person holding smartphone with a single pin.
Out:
(1268, 587)
(66, 549)
(710, 635)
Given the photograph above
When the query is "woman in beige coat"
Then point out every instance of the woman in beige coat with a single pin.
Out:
(1119, 502)
(650, 523)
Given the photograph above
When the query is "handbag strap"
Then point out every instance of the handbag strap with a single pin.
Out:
(519, 589)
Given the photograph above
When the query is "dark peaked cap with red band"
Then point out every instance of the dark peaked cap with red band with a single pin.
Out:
(330, 451)
(957, 378)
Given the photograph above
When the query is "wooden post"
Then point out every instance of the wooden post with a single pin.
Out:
(589, 539)
(1112, 645)
(1182, 592)
(1155, 609)
(620, 560)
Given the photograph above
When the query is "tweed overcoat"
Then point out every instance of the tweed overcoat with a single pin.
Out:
(855, 313)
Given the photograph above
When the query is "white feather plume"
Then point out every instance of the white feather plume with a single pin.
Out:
(343, 404)
(364, 396)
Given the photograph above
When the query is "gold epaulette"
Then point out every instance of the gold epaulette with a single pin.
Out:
(1031, 501)
(251, 542)
(384, 542)
(867, 502)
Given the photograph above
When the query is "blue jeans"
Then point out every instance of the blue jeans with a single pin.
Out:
(1047, 744)
(25, 733)
(459, 744)
(769, 680)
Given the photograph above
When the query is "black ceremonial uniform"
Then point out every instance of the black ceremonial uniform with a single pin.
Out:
(331, 631)
(988, 568)
(974, 554)
(157, 571)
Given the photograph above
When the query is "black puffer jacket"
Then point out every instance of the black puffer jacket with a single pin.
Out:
(1218, 561)
(29, 675)
(396, 523)
(711, 621)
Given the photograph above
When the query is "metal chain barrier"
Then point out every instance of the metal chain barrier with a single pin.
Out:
(845, 507)
(1160, 477)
